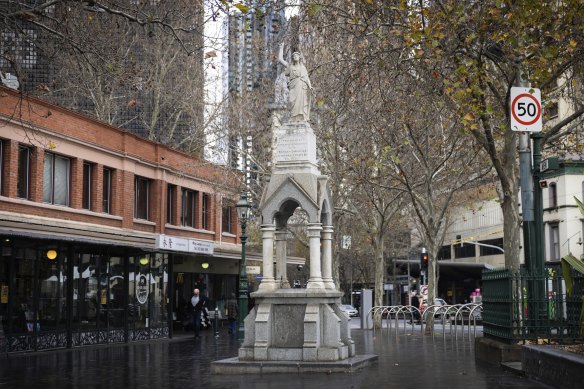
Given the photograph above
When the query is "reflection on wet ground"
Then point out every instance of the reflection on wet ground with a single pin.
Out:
(406, 361)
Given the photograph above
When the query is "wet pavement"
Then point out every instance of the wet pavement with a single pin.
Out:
(406, 361)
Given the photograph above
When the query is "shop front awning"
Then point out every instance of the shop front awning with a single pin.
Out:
(36, 227)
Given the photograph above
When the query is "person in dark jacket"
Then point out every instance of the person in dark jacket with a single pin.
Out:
(198, 302)
(232, 313)
(416, 304)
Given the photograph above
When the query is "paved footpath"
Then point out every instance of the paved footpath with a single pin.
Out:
(408, 361)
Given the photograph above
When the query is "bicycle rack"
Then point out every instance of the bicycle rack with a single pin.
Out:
(455, 314)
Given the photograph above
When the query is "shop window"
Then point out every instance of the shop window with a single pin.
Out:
(23, 182)
(112, 283)
(148, 292)
(86, 297)
(170, 203)
(554, 242)
(107, 190)
(226, 219)
(205, 212)
(22, 293)
(188, 208)
(33, 292)
(99, 298)
(56, 179)
(553, 195)
(52, 289)
(141, 198)
(86, 192)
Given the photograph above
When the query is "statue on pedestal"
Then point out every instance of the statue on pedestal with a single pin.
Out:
(299, 87)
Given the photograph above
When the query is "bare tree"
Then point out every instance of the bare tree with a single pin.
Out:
(475, 51)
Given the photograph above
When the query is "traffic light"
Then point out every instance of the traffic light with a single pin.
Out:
(424, 261)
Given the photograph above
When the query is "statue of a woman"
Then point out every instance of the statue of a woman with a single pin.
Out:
(299, 87)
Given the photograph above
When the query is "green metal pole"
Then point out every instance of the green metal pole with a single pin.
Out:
(243, 286)
(538, 204)
(529, 232)
(539, 254)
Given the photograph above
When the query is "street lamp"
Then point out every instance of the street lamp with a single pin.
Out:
(243, 210)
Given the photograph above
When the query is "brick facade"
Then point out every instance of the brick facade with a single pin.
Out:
(48, 128)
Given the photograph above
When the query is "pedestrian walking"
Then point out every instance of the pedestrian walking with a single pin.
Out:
(232, 313)
(416, 304)
(199, 303)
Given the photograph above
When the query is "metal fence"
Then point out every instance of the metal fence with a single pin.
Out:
(518, 306)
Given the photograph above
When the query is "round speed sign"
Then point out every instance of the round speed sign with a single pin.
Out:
(526, 109)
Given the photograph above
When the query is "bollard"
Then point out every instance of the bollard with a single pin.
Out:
(216, 322)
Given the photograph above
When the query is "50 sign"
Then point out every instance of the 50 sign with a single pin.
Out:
(526, 109)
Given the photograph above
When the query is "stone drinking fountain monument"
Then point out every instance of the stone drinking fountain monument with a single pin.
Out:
(292, 329)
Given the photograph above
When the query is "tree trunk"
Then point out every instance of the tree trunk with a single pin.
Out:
(509, 179)
(511, 238)
(379, 275)
(432, 286)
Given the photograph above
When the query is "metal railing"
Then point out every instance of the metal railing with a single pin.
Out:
(519, 306)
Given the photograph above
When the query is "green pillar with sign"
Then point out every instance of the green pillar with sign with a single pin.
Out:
(526, 117)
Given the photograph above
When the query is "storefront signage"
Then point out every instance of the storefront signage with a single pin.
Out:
(200, 246)
(142, 288)
(174, 243)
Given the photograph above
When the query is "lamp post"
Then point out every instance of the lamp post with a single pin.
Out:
(243, 208)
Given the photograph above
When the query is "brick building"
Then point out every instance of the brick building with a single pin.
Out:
(104, 234)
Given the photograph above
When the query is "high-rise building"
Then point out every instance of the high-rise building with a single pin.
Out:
(252, 69)
(253, 45)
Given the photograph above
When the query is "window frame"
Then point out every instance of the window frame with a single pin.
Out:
(55, 173)
(227, 219)
(106, 190)
(554, 240)
(1, 167)
(553, 195)
(170, 203)
(23, 176)
(141, 194)
(487, 251)
(86, 186)
(463, 250)
(445, 252)
(553, 110)
(188, 208)
(205, 211)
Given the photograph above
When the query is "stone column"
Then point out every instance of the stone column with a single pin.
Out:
(281, 273)
(268, 283)
(315, 280)
(327, 257)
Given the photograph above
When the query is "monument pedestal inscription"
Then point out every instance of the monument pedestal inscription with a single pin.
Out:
(297, 325)
(296, 149)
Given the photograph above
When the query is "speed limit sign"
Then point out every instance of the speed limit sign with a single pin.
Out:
(526, 109)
